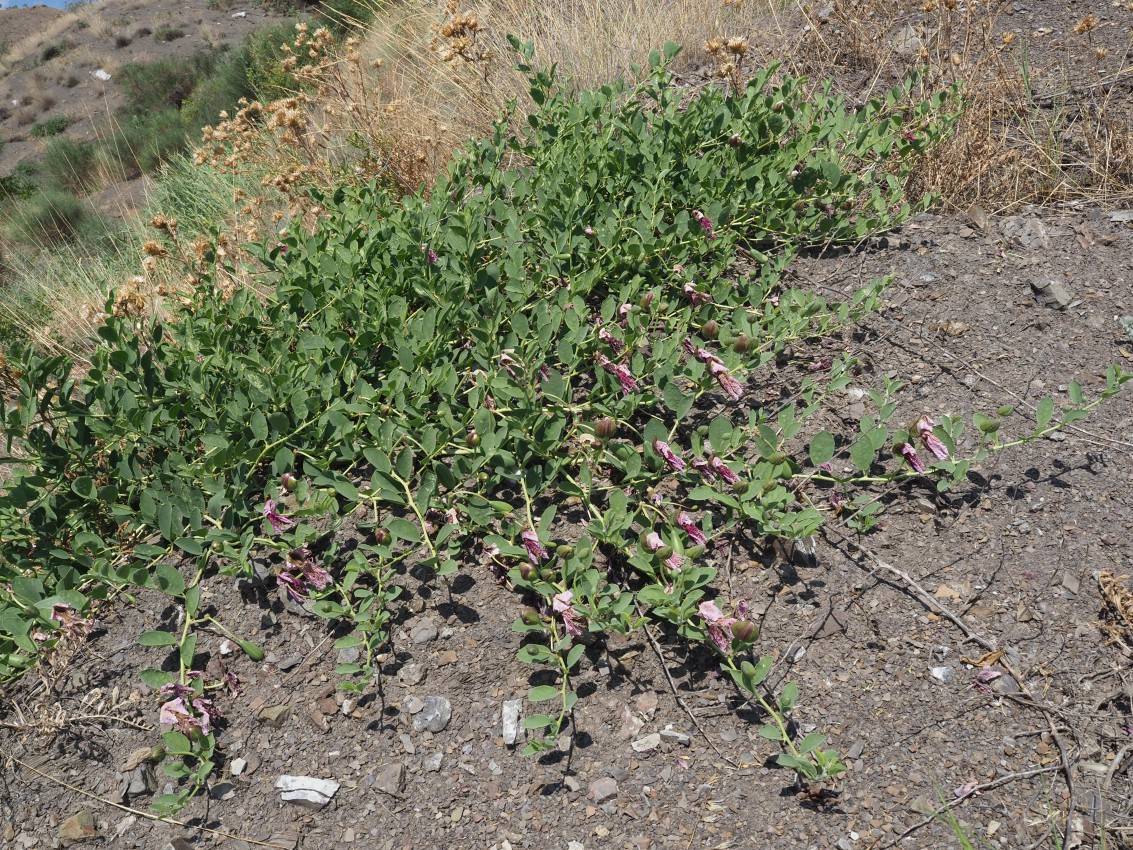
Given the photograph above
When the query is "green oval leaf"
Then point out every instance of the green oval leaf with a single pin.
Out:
(157, 639)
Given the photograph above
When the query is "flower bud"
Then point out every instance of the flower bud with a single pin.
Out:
(605, 428)
(777, 106)
(777, 457)
(740, 487)
(565, 552)
(710, 329)
(744, 632)
(646, 300)
(530, 617)
(547, 574)
(216, 546)
(526, 571)
(990, 426)
(588, 230)
(665, 552)
(382, 536)
(694, 551)
(1006, 410)
(289, 482)
(743, 344)
(735, 141)
(472, 439)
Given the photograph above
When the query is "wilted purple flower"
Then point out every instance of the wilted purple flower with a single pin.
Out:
(820, 365)
(544, 373)
(704, 468)
(910, 454)
(929, 440)
(694, 295)
(691, 529)
(174, 690)
(536, 552)
(837, 502)
(623, 313)
(430, 254)
(653, 541)
(233, 684)
(301, 573)
(674, 462)
(278, 521)
(561, 603)
(726, 381)
(70, 622)
(176, 713)
(674, 562)
(206, 711)
(619, 371)
(968, 788)
(723, 470)
(296, 587)
(616, 345)
(507, 361)
(719, 626)
(705, 222)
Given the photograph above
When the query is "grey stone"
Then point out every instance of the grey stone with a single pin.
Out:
(223, 791)
(290, 662)
(1025, 231)
(142, 781)
(603, 789)
(237, 766)
(423, 632)
(391, 780)
(411, 674)
(907, 41)
(671, 734)
(1052, 293)
(943, 674)
(274, 715)
(646, 743)
(78, 827)
(435, 715)
(349, 655)
(433, 762)
(856, 750)
(414, 705)
(572, 783)
(510, 718)
(407, 743)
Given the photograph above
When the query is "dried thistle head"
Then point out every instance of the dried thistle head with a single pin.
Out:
(713, 46)
(737, 46)
(1086, 25)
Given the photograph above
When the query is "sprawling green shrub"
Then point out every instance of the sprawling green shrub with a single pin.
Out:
(68, 164)
(51, 216)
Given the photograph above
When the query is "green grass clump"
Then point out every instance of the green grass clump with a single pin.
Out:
(69, 165)
(164, 83)
(51, 216)
(166, 34)
(51, 127)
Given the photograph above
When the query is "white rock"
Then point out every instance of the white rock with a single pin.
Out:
(307, 791)
(101, 74)
(671, 734)
(237, 766)
(510, 715)
(239, 14)
(646, 743)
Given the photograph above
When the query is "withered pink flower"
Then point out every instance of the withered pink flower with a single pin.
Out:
(562, 605)
(536, 551)
(653, 541)
(278, 521)
(725, 379)
(619, 371)
(674, 562)
(508, 362)
(176, 714)
(705, 223)
(723, 470)
(616, 345)
(929, 440)
(910, 454)
(691, 529)
(674, 462)
(695, 296)
(71, 622)
(719, 627)
(704, 468)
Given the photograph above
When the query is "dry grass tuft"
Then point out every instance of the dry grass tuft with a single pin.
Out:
(1031, 131)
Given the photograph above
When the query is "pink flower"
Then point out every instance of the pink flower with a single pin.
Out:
(561, 603)
(723, 470)
(278, 521)
(430, 254)
(674, 562)
(616, 345)
(719, 626)
(653, 542)
(705, 222)
(176, 714)
(691, 529)
(929, 440)
(910, 454)
(704, 468)
(233, 684)
(536, 552)
(674, 462)
(622, 373)
(727, 382)
(694, 295)
(507, 361)
(301, 574)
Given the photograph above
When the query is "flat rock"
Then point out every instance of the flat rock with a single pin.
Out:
(646, 743)
(603, 789)
(671, 734)
(142, 781)
(434, 716)
(423, 632)
(411, 674)
(307, 791)
(237, 766)
(414, 705)
(78, 827)
(510, 719)
(1051, 293)
(433, 762)
(273, 715)
(391, 780)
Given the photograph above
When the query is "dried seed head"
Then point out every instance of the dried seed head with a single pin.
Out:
(738, 46)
